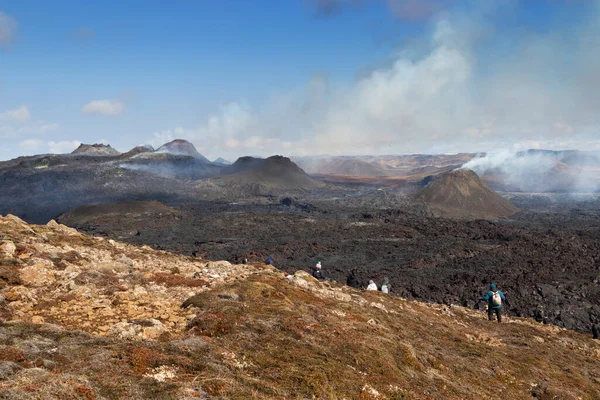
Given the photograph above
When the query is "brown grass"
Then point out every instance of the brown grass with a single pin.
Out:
(171, 280)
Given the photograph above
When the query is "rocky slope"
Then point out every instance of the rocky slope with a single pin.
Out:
(89, 318)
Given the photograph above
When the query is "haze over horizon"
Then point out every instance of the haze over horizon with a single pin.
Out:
(304, 77)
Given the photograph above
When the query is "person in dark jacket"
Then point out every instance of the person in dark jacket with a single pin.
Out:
(595, 330)
(495, 298)
(318, 272)
(270, 259)
(352, 280)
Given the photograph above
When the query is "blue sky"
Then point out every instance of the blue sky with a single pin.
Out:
(299, 77)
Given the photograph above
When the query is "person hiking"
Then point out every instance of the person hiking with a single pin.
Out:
(352, 280)
(385, 286)
(318, 272)
(595, 330)
(494, 299)
(270, 259)
(372, 285)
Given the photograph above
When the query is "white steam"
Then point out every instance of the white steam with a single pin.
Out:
(532, 171)
(461, 89)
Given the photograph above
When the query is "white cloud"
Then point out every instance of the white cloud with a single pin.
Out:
(18, 122)
(8, 30)
(64, 146)
(37, 146)
(20, 114)
(32, 144)
(109, 108)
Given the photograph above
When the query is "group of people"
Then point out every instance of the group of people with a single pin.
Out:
(494, 297)
(385, 285)
(352, 280)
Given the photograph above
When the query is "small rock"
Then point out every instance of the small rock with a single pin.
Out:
(123, 259)
(218, 265)
(139, 291)
(8, 248)
(36, 319)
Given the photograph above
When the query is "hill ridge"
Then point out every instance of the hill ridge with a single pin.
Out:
(461, 193)
(105, 318)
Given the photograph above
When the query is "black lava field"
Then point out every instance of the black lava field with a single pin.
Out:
(546, 260)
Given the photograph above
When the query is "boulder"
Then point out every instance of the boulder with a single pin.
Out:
(8, 249)
(19, 293)
(138, 329)
(36, 275)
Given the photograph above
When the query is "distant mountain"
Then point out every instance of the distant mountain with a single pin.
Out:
(461, 193)
(378, 166)
(41, 187)
(138, 150)
(96, 149)
(222, 161)
(274, 175)
(181, 147)
(348, 166)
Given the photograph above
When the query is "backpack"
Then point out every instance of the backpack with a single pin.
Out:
(496, 299)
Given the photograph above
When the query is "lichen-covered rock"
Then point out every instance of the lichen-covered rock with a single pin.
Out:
(37, 275)
(140, 329)
(19, 293)
(7, 249)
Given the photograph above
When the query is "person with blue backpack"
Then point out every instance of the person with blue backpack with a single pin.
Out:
(495, 298)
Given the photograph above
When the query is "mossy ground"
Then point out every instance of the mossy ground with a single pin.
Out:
(270, 336)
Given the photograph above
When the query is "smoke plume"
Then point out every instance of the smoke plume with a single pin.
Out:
(540, 171)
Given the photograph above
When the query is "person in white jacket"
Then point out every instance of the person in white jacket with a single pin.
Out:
(372, 285)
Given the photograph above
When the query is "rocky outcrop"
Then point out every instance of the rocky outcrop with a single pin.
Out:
(100, 286)
(96, 149)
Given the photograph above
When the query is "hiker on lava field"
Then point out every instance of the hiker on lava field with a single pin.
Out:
(270, 259)
(494, 299)
(352, 280)
(595, 330)
(385, 286)
(318, 272)
(372, 285)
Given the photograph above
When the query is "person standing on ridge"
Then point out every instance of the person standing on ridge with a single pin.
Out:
(595, 330)
(494, 299)
(352, 280)
(318, 272)
(270, 259)
(372, 285)
(385, 286)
